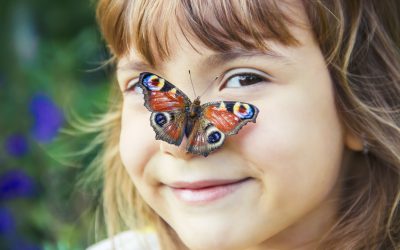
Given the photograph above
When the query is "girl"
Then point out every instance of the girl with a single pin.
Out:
(320, 167)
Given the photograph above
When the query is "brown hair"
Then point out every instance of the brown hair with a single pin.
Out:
(360, 42)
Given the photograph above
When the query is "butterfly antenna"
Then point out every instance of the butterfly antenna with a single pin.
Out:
(194, 91)
(208, 87)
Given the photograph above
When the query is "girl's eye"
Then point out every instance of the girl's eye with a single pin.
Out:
(133, 86)
(239, 79)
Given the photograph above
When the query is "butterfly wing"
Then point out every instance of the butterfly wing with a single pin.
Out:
(218, 120)
(168, 106)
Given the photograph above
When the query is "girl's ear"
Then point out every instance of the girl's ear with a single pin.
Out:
(353, 141)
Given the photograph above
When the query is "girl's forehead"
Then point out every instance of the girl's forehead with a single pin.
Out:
(200, 55)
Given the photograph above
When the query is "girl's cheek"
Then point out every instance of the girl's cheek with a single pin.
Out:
(137, 140)
(267, 139)
(293, 139)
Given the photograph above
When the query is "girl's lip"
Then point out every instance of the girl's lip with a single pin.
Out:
(203, 183)
(204, 192)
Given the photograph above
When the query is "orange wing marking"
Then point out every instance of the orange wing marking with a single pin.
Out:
(221, 118)
(166, 101)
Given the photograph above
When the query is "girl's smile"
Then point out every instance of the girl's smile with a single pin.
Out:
(206, 191)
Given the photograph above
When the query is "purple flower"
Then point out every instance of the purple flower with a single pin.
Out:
(21, 244)
(15, 183)
(16, 145)
(7, 223)
(48, 118)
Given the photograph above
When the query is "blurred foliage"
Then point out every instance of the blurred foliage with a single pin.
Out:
(51, 53)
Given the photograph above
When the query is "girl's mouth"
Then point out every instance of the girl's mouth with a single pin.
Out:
(204, 192)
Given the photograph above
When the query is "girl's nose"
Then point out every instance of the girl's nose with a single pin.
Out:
(176, 151)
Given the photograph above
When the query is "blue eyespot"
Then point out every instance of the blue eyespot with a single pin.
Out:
(214, 137)
(160, 119)
(243, 110)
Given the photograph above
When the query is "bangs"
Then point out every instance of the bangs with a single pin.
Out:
(148, 27)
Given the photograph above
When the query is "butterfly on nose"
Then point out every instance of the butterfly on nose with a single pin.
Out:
(206, 126)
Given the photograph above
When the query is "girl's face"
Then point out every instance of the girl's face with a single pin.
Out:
(291, 158)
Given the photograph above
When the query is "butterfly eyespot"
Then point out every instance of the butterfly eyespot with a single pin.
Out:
(153, 83)
(243, 110)
(160, 119)
(214, 137)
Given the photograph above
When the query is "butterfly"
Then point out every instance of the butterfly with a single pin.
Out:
(174, 116)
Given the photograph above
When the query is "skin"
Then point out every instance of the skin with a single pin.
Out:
(295, 153)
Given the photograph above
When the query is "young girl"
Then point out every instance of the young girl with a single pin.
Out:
(319, 167)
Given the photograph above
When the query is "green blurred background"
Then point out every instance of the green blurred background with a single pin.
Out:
(51, 53)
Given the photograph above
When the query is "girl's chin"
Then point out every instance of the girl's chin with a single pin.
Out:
(220, 242)
(219, 235)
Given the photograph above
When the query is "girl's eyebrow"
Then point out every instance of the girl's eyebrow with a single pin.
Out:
(134, 65)
(213, 60)
(223, 57)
